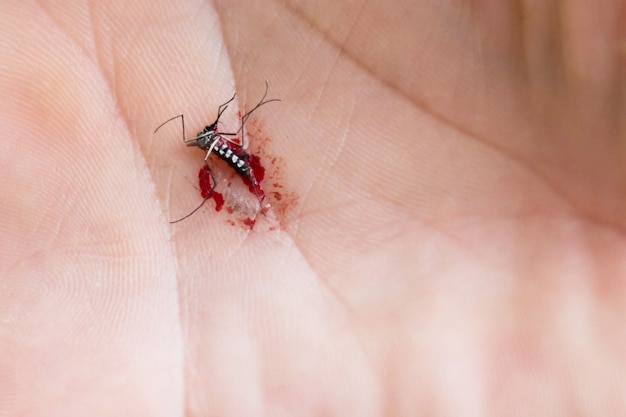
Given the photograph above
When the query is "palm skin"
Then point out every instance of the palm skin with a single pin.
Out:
(456, 247)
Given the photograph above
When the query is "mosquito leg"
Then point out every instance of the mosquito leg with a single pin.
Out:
(182, 119)
(223, 107)
(205, 198)
(208, 167)
(208, 152)
(232, 142)
(244, 119)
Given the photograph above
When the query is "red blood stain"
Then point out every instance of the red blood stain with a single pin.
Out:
(205, 181)
(206, 188)
(257, 173)
(282, 200)
(219, 200)
(249, 222)
(257, 168)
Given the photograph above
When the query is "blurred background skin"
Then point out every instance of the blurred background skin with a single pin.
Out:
(456, 243)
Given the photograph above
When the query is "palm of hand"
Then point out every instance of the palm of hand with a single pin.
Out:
(456, 245)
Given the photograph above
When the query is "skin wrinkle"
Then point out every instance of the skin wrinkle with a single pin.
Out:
(553, 69)
(334, 292)
(98, 63)
(439, 117)
(597, 220)
(329, 208)
(477, 45)
(518, 19)
(339, 149)
(305, 196)
(325, 282)
(468, 132)
(318, 178)
(232, 253)
(350, 31)
(61, 29)
(96, 46)
(111, 83)
(342, 50)
(327, 76)
(558, 52)
(52, 238)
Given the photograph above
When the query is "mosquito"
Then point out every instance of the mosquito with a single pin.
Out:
(230, 151)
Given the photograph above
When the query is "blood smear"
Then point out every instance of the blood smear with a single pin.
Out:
(258, 173)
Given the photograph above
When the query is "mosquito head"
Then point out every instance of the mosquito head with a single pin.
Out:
(204, 139)
(212, 128)
(195, 142)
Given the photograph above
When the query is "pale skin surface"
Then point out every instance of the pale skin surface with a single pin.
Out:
(457, 247)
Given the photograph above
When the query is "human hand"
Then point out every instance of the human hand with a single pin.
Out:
(455, 247)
